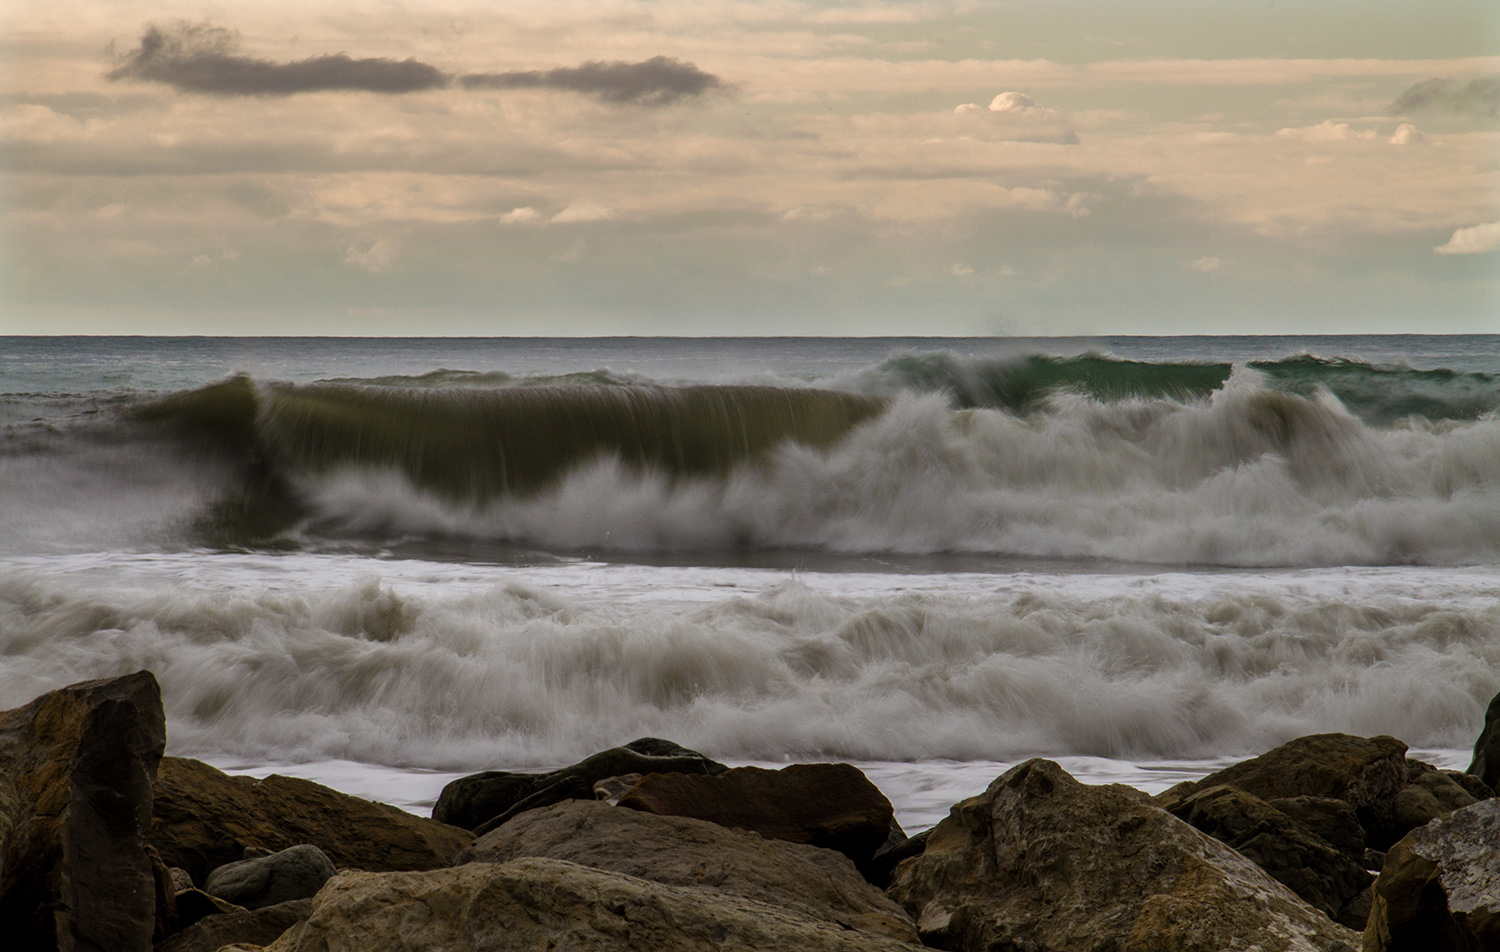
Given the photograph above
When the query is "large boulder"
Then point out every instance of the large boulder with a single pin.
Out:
(75, 801)
(533, 903)
(1332, 821)
(1042, 862)
(1440, 888)
(479, 799)
(204, 818)
(1431, 793)
(1322, 876)
(1486, 762)
(830, 805)
(252, 926)
(1364, 772)
(679, 851)
(297, 872)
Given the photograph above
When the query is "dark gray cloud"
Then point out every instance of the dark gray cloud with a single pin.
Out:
(658, 81)
(205, 59)
(1479, 96)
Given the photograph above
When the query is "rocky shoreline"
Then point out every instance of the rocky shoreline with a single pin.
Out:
(1329, 842)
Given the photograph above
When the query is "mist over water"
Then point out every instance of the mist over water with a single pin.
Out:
(398, 561)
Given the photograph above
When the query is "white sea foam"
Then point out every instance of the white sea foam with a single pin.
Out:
(1250, 477)
(461, 667)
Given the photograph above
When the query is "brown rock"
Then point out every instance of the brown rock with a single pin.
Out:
(1431, 794)
(1332, 821)
(680, 851)
(1486, 762)
(1440, 888)
(532, 904)
(1041, 862)
(204, 818)
(830, 805)
(75, 801)
(1322, 876)
(252, 926)
(1364, 772)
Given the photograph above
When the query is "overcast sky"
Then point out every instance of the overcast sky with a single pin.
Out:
(739, 167)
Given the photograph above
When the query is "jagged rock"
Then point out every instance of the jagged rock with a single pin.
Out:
(533, 903)
(194, 904)
(1322, 876)
(891, 854)
(475, 800)
(680, 851)
(75, 801)
(1332, 821)
(1356, 914)
(1364, 772)
(1472, 785)
(1429, 795)
(1042, 862)
(610, 789)
(1440, 889)
(1486, 762)
(829, 805)
(297, 872)
(204, 818)
(254, 926)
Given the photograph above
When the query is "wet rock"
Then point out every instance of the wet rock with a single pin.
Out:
(1332, 821)
(830, 805)
(1429, 795)
(1042, 862)
(475, 800)
(679, 851)
(1486, 762)
(1364, 772)
(204, 818)
(75, 802)
(1307, 865)
(297, 872)
(1440, 888)
(252, 926)
(534, 903)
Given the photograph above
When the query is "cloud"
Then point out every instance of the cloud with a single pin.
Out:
(1476, 239)
(960, 270)
(1408, 134)
(1207, 264)
(1480, 96)
(377, 258)
(1326, 131)
(200, 58)
(1017, 117)
(581, 212)
(659, 81)
(524, 215)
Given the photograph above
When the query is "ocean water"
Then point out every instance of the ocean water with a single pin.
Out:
(386, 563)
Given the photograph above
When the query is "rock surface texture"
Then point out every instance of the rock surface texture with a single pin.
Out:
(76, 766)
(204, 818)
(1041, 862)
(297, 872)
(1486, 762)
(830, 805)
(533, 904)
(1440, 889)
(479, 799)
(253, 926)
(679, 851)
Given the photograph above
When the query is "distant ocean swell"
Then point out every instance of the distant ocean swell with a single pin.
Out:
(454, 675)
(1301, 462)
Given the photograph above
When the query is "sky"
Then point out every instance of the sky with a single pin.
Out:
(726, 167)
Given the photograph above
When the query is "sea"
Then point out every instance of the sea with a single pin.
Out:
(382, 564)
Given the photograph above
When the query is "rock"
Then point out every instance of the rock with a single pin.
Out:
(1440, 889)
(474, 800)
(1486, 762)
(297, 872)
(610, 789)
(1356, 915)
(830, 805)
(568, 788)
(204, 818)
(679, 851)
(1041, 862)
(897, 847)
(1364, 772)
(1430, 795)
(533, 903)
(181, 879)
(1472, 785)
(194, 905)
(255, 927)
(1332, 821)
(75, 802)
(1322, 876)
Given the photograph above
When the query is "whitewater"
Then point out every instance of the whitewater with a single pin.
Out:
(385, 564)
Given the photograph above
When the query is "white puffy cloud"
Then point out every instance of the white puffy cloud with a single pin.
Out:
(1326, 131)
(1015, 116)
(1408, 134)
(582, 211)
(521, 216)
(1473, 240)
